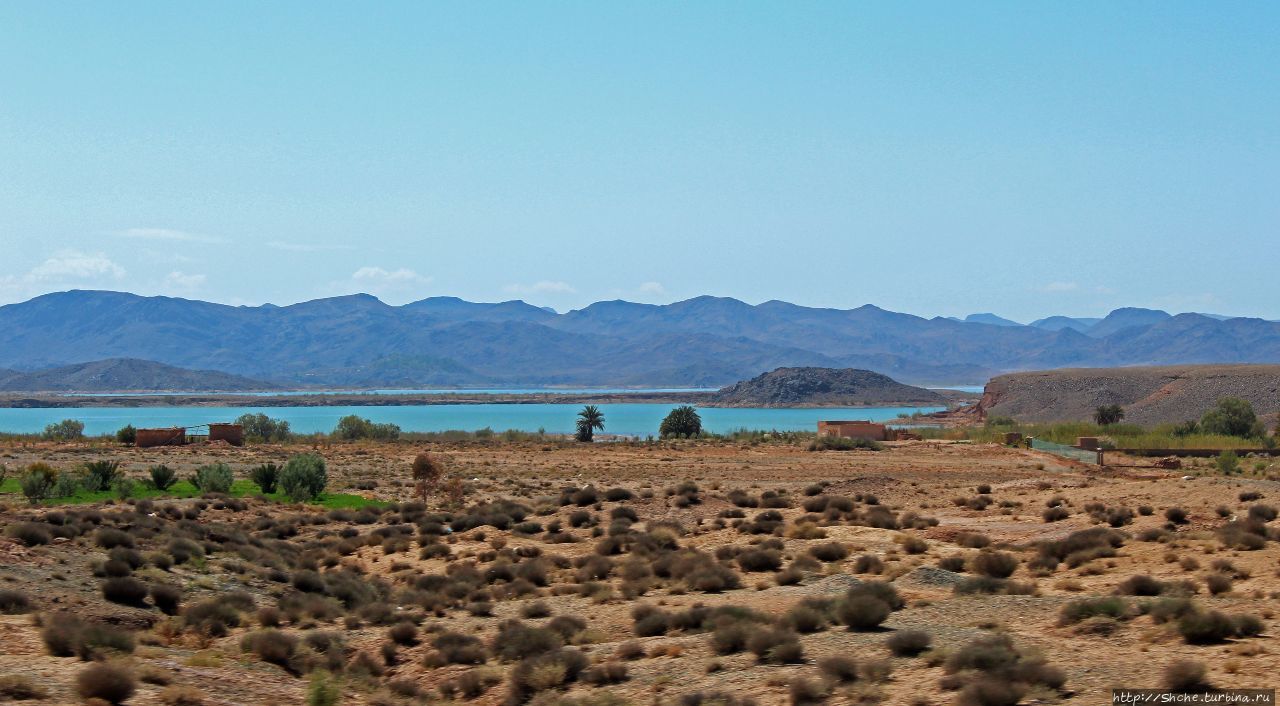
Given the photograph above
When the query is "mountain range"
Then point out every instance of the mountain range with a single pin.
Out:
(359, 341)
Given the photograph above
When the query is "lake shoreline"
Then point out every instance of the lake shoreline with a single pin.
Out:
(699, 399)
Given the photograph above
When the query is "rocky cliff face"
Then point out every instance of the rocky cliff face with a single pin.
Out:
(824, 387)
(1149, 395)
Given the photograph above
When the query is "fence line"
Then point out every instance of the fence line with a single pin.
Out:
(1065, 451)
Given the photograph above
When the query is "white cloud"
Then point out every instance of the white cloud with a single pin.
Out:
(541, 287)
(653, 288)
(392, 286)
(377, 275)
(73, 264)
(63, 269)
(168, 234)
(182, 281)
(305, 247)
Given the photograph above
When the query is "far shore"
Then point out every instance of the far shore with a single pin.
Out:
(346, 399)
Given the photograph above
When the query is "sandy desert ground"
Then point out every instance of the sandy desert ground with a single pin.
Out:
(689, 572)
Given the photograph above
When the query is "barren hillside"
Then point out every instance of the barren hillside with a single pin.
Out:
(1149, 395)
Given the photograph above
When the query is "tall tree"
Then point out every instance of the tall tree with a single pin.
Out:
(1232, 417)
(589, 420)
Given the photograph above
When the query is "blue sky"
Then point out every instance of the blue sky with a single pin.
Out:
(936, 158)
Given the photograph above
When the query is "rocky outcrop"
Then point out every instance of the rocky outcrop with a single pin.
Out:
(823, 387)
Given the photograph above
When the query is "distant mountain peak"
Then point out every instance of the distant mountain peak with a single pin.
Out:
(991, 319)
(1126, 318)
(1057, 323)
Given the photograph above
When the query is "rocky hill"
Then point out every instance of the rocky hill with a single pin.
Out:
(1149, 395)
(126, 375)
(823, 387)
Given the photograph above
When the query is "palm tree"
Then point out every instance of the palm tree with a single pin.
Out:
(589, 420)
(683, 421)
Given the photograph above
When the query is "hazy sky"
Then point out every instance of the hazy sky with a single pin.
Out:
(935, 158)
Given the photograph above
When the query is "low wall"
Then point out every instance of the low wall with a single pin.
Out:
(231, 433)
(173, 436)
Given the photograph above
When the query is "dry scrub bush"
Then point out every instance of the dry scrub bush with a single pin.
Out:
(1054, 514)
(1217, 583)
(753, 560)
(775, 646)
(30, 533)
(65, 635)
(179, 695)
(806, 691)
(457, 648)
(908, 643)
(1186, 676)
(829, 552)
(972, 540)
(111, 683)
(14, 602)
(1200, 627)
(125, 590)
(1086, 608)
(990, 670)
(548, 670)
(839, 668)
(1140, 585)
(993, 564)
(166, 598)
(868, 564)
(1077, 548)
(862, 612)
(14, 687)
(516, 640)
(271, 646)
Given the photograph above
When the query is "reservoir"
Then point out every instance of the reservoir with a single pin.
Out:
(631, 419)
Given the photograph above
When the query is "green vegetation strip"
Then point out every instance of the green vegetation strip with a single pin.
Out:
(1128, 436)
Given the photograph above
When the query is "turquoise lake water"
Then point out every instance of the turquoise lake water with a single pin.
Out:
(628, 418)
(413, 391)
